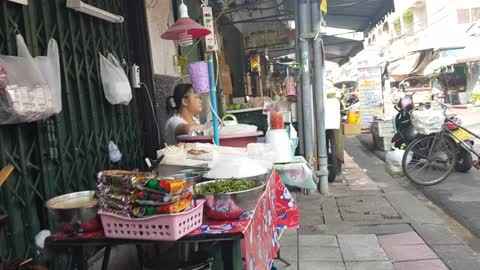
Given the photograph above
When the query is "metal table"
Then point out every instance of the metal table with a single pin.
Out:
(228, 249)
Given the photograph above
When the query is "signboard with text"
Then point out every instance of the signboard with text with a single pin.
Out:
(371, 94)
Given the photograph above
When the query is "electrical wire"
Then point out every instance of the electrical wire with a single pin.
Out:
(349, 4)
(153, 113)
(277, 5)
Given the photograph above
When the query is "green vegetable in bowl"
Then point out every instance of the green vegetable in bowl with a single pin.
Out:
(225, 186)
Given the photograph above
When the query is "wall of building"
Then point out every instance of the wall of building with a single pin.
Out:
(234, 57)
(160, 17)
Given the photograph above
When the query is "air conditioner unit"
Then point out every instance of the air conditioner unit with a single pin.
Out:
(80, 6)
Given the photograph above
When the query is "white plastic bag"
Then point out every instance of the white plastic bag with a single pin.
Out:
(394, 161)
(114, 153)
(50, 67)
(27, 96)
(115, 82)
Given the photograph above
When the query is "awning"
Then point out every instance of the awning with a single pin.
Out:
(404, 66)
(471, 52)
(357, 16)
(446, 57)
(435, 67)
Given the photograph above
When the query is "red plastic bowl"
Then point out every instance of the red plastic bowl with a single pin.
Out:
(237, 140)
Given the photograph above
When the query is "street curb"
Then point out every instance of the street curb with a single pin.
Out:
(366, 140)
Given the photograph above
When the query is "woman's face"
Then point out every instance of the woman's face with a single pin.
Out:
(193, 103)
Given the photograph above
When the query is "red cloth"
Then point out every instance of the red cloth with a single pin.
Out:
(276, 209)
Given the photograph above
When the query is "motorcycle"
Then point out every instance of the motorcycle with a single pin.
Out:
(405, 133)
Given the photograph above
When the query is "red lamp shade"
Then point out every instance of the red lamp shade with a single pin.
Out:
(184, 30)
(185, 26)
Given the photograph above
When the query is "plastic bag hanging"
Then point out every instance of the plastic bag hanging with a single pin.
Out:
(114, 80)
(50, 67)
(25, 95)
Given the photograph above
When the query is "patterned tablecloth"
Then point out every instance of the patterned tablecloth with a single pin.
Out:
(297, 173)
(276, 209)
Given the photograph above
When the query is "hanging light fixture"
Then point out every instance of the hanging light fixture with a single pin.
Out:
(185, 30)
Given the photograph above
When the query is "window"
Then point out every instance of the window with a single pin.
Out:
(463, 16)
(468, 15)
(397, 28)
(475, 14)
(408, 22)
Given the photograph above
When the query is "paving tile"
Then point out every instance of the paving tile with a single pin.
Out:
(281, 266)
(409, 253)
(318, 241)
(288, 253)
(288, 238)
(322, 266)
(320, 254)
(401, 239)
(381, 265)
(458, 257)
(435, 234)
(358, 247)
(435, 264)
(364, 187)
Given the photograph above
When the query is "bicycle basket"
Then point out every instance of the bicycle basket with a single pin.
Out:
(427, 121)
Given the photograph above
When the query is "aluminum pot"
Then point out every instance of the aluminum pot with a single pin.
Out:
(75, 212)
(227, 206)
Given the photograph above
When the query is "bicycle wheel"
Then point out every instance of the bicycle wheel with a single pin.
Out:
(429, 160)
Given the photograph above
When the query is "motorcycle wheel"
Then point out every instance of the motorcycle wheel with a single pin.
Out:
(464, 161)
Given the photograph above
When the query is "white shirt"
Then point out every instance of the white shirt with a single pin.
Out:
(171, 128)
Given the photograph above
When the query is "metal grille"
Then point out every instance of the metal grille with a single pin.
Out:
(63, 153)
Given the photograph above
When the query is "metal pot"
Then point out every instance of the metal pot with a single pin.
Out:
(75, 212)
(232, 205)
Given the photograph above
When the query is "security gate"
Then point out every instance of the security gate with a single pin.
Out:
(63, 153)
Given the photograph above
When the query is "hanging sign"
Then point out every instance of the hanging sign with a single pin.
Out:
(371, 96)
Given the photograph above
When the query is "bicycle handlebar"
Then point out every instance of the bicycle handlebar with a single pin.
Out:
(445, 106)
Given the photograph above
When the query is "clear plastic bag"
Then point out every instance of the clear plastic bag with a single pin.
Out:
(427, 121)
(50, 67)
(115, 82)
(27, 96)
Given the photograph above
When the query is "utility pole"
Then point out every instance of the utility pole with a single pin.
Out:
(299, 107)
(319, 96)
(307, 94)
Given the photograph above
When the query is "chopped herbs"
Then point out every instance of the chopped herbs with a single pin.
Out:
(225, 186)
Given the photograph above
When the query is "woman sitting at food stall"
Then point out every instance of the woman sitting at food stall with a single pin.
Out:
(185, 106)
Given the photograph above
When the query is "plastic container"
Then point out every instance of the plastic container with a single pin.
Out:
(276, 121)
(169, 227)
(236, 140)
(199, 77)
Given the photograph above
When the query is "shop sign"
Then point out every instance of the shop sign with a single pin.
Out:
(371, 95)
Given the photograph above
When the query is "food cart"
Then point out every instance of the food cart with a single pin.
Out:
(215, 225)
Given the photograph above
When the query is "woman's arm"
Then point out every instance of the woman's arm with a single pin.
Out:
(185, 129)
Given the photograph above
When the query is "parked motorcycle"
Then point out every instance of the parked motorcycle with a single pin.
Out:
(406, 133)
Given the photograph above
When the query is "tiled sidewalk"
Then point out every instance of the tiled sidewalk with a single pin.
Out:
(361, 227)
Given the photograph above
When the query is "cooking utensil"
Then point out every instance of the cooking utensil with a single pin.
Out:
(231, 205)
(75, 212)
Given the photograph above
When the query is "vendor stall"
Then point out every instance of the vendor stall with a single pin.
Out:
(230, 227)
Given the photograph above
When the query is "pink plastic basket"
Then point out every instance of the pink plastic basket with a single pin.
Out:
(164, 227)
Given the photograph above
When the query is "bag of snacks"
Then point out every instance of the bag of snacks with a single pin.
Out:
(176, 207)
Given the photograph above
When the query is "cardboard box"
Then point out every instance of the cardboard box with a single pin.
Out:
(226, 79)
(352, 129)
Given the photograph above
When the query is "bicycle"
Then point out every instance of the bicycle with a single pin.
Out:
(431, 157)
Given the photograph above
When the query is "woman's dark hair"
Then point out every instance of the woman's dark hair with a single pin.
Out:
(181, 91)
